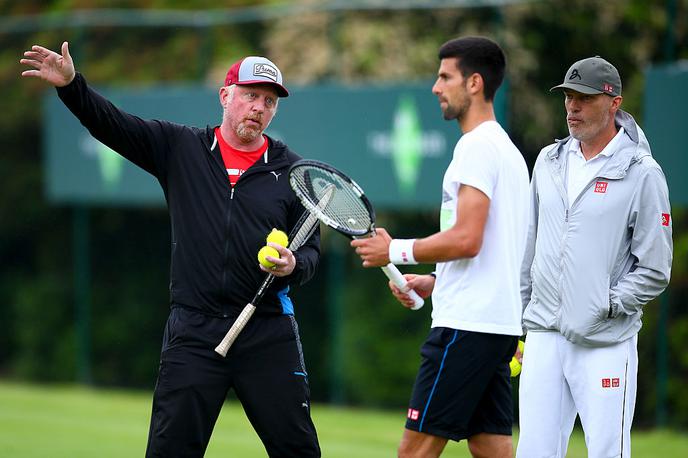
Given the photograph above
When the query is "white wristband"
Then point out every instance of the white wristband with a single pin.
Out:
(401, 251)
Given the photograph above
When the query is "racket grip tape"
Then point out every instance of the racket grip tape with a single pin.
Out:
(236, 328)
(398, 279)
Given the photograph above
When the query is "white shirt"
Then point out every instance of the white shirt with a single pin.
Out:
(482, 294)
(581, 172)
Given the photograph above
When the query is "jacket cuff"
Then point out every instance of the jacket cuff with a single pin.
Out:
(71, 85)
(297, 267)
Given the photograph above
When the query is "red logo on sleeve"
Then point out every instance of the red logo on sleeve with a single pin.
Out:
(412, 414)
(601, 187)
(665, 219)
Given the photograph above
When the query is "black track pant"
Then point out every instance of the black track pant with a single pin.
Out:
(264, 367)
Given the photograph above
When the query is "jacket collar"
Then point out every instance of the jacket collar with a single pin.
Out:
(634, 147)
(276, 153)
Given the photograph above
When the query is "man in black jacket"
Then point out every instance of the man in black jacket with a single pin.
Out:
(226, 187)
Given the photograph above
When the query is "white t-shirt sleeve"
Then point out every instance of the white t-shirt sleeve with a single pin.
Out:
(476, 165)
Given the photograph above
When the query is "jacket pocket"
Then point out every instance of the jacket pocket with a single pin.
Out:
(586, 311)
(541, 311)
(604, 301)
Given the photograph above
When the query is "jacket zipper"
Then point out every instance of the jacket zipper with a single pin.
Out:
(555, 169)
(225, 311)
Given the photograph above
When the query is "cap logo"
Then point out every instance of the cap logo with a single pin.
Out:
(607, 87)
(265, 70)
(575, 74)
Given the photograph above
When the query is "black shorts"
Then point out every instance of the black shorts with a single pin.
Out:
(463, 385)
(265, 369)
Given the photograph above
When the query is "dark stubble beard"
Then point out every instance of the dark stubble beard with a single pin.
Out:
(457, 112)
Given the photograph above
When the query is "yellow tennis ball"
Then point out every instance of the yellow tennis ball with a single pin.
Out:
(514, 365)
(267, 251)
(278, 238)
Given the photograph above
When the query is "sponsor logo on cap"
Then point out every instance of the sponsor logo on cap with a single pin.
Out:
(606, 87)
(575, 74)
(665, 219)
(265, 70)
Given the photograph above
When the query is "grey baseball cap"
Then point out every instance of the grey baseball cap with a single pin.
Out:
(593, 75)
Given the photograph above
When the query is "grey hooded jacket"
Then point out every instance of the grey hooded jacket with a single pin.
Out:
(591, 264)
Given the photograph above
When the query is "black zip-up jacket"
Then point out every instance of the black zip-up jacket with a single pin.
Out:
(217, 230)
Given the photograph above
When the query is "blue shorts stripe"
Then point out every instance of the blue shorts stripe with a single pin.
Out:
(434, 385)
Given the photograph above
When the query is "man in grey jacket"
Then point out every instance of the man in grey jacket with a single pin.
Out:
(599, 248)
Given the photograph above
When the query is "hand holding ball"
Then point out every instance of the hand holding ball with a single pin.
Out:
(267, 251)
(514, 365)
(278, 238)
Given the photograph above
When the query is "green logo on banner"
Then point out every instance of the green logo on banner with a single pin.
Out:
(111, 165)
(407, 144)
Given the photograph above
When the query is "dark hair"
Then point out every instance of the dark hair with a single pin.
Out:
(478, 55)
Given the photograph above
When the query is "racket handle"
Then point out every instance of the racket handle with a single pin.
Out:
(398, 279)
(236, 328)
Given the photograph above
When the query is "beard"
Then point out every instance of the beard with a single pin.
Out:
(590, 128)
(457, 111)
(249, 131)
(247, 134)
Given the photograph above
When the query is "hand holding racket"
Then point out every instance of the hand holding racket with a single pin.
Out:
(422, 284)
(349, 211)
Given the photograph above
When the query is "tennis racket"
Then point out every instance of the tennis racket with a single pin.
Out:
(302, 231)
(349, 211)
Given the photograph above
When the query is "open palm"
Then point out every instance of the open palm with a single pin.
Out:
(49, 66)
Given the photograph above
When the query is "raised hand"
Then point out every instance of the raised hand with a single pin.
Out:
(49, 66)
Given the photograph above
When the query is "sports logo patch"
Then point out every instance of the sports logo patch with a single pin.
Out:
(575, 74)
(665, 219)
(412, 414)
(606, 87)
(268, 71)
(611, 382)
(601, 187)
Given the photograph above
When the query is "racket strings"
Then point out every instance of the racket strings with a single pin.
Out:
(345, 207)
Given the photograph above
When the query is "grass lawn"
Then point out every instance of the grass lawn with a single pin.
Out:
(38, 421)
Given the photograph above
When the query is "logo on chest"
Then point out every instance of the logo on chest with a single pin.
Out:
(601, 187)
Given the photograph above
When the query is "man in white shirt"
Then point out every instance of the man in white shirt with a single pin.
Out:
(463, 387)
